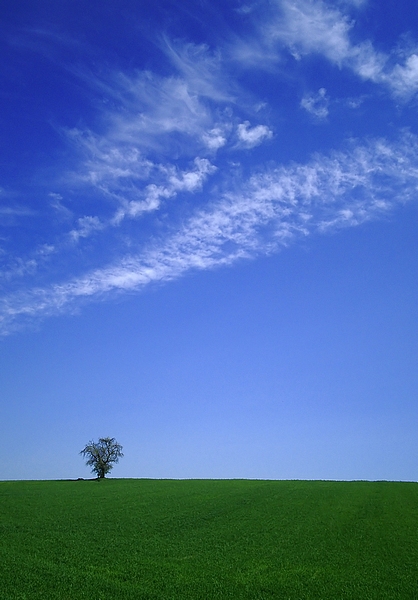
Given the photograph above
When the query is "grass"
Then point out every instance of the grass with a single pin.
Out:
(208, 539)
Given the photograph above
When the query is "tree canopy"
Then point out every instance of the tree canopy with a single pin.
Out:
(102, 455)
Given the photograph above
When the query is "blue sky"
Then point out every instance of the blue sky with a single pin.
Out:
(208, 237)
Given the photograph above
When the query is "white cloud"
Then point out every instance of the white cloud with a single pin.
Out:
(121, 172)
(56, 197)
(46, 249)
(245, 9)
(191, 181)
(16, 211)
(85, 227)
(354, 103)
(19, 267)
(154, 107)
(150, 115)
(249, 137)
(318, 27)
(356, 3)
(316, 104)
(158, 139)
(404, 78)
(311, 26)
(215, 138)
(109, 163)
(263, 214)
(175, 181)
(57, 204)
(153, 124)
(201, 69)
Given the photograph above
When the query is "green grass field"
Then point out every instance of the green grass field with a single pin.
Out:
(204, 539)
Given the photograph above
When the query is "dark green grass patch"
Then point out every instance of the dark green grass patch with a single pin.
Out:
(147, 539)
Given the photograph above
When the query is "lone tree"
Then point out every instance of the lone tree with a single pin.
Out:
(101, 455)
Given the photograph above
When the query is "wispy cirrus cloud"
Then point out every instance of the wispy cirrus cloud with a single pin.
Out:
(264, 213)
(155, 138)
(15, 267)
(307, 27)
(249, 137)
(14, 210)
(161, 138)
(316, 104)
(153, 124)
(175, 181)
(85, 227)
(316, 27)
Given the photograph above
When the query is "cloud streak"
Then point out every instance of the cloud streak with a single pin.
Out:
(166, 180)
(316, 104)
(264, 213)
(315, 27)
